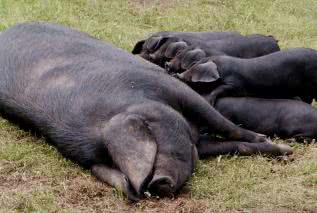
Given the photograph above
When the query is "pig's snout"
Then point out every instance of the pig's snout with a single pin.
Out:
(162, 186)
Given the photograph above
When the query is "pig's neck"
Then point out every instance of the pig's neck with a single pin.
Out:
(227, 65)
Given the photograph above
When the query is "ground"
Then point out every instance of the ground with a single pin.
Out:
(34, 177)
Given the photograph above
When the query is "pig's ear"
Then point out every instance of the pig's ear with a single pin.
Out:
(192, 57)
(154, 43)
(206, 72)
(132, 148)
(138, 47)
(174, 48)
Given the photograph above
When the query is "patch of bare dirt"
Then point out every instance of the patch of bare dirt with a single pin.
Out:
(98, 197)
(179, 204)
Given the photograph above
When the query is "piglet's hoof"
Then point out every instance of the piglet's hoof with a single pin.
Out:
(285, 149)
(260, 138)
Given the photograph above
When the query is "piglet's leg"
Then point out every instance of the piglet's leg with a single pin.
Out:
(304, 137)
(114, 178)
(221, 91)
(212, 147)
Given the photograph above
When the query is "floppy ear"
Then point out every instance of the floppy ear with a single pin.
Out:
(192, 57)
(206, 72)
(131, 147)
(154, 43)
(174, 48)
(138, 47)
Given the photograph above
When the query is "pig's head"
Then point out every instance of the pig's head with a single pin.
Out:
(174, 48)
(149, 46)
(158, 49)
(152, 158)
(186, 58)
(163, 53)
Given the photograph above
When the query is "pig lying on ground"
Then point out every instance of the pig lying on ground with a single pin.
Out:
(156, 40)
(281, 117)
(250, 46)
(187, 48)
(284, 74)
(106, 109)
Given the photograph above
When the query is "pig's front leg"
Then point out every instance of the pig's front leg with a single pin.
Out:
(114, 178)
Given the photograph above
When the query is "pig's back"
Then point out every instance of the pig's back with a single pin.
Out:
(57, 75)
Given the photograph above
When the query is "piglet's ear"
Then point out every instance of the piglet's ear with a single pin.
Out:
(154, 43)
(132, 148)
(138, 47)
(206, 72)
(174, 48)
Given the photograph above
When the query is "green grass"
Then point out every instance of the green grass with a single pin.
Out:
(34, 177)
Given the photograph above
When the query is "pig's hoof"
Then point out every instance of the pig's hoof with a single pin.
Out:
(285, 149)
(162, 186)
(262, 139)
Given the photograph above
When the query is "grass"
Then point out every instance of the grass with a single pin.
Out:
(34, 177)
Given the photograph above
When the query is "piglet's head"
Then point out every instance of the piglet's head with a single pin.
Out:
(186, 58)
(146, 47)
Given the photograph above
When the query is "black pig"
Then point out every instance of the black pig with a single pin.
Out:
(281, 117)
(249, 46)
(283, 74)
(156, 40)
(162, 46)
(184, 49)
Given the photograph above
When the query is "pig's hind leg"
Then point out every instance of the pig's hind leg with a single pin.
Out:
(208, 146)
